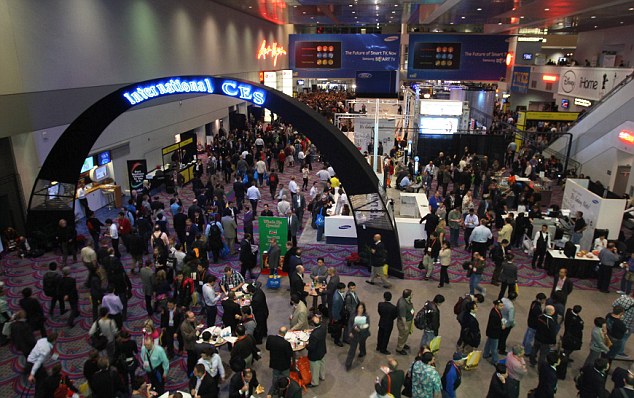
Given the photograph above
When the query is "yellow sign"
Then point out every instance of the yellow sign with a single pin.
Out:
(557, 116)
(273, 50)
(186, 142)
(170, 149)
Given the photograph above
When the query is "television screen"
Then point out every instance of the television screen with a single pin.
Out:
(528, 56)
(103, 158)
(89, 163)
(101, 173)
(565, 103)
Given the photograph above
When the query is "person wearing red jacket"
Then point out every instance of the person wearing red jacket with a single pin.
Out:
(125, 229)
(183, 290)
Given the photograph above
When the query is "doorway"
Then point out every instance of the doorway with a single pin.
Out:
(621, 179)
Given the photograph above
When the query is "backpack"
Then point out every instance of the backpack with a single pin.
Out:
(157, 243)
(214, 231)
(579, 380)
(62, 390)
(423, 318)
(50, 283)
(457, 308)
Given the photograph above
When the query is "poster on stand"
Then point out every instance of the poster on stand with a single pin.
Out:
(137, 169)
(272, 227)
(364, 133)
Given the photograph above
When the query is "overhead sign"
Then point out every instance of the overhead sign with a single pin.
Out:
(591, 83)
(457, 57)
(342, 55)
(583, 102)
(521, 79)
(177, 85)
(273, 50)
(440, 107)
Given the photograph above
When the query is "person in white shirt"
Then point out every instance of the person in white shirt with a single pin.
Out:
(541, 243)
(600, 243)
(283, 206)
(210, 359)
(179, 255)
(467, 202)
(211, 297)
(113, 233)
(313, 191)
(293, 187)
(405, 183)
(260, 167)
(40, 353)
(253, 194)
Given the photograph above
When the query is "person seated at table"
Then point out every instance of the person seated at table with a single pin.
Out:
(299, 318)
(600, 243)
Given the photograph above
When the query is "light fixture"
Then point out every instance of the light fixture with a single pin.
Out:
(354, 12)
(522, 17)
(499, 23)
(596, 26)
(593, 17)
(304, 12)
(393, 12)
(250, 6)
(463, 17)
(349, 5)
(450, 23)
(631, 9)
(621, 22)
(478, 9)
(549, 78)
(546, 9)
(377, 7)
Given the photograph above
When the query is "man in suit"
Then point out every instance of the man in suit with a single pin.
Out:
(171, 319)
(260, 312)
(387, 314)
(548, 377)
(231, 311)
(230, 230)
(293, 226)
(203, 385)
(545, 335)
(495, 325)
(180, 224)
(281, 354)
(274, 255)
(68, 291)
(377, 261)
(562, 284)
(317, 351)
(338, 316)
(299, 318)
(239, 191)
(299, 205)
(297, 283)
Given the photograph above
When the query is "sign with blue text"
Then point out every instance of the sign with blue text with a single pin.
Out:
(342, 55)
(208, 85)
(457, 57)
(521, 79)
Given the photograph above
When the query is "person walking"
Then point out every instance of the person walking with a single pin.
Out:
(253, 194)
(547, 386)
(452, 375)
(50, 286)
(377, 260)
(516, 368)
(280, 354)
(387, 314)
(404, 321)
(474, 272)
(68, 292)
(508, 277)
(155, 364)
(444, 256)
(40, 353)
(230, 230)
(508, 319)
(499, 255)
(545, 335)
(359, 327)
(317, 351)
(338, 314)
(494, 329)
(107, 328)
(470, 336)
(147, 282)
(616, 331)
(573, 333)
(171, 319)
(534, 312)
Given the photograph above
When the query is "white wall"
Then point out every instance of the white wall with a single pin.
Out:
(591, 43)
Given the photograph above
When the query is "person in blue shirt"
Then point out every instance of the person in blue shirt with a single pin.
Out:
(452, 376)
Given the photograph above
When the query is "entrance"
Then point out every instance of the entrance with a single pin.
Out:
(53, 196)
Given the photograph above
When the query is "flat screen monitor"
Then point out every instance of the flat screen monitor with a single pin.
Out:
(89, 163)
(101, 173)
(527, 56)
(103, 158)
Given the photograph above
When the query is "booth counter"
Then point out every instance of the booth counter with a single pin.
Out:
(414, 205)
(340, 229)
(409, 229)
(100, 196)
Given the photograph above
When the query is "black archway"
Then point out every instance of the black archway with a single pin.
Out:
(53, 192)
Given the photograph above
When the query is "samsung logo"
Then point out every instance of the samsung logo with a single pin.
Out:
(595, 201)
(391, 38)
(364, 75)
(345, 226)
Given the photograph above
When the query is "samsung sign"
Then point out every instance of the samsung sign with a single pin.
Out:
(209, 85)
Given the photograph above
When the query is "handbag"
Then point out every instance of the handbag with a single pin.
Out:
(407, 383)
(98, 341)
(319, 220)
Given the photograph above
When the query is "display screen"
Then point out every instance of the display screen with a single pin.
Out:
(318, 54)
(565, 103)
(436, 56)
(528, 56)
(89, 163)
(439, 125)
(101, 173)
(103, 158)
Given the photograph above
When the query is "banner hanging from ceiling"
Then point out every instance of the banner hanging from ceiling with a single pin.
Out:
(457, 57)
(342, 55)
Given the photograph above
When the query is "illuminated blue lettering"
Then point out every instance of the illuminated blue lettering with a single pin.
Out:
(175, 86)
(229, 88)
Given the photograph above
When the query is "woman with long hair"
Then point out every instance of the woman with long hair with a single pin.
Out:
(359, 326)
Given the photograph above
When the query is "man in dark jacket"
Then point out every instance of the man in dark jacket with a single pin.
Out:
(470, 329)
(68, 292)
(280, 354)
(105, 383)
(498, 255)
(297, 283)
(21, 334)
(260, 312)
(231, 311)
(562, 284)
(495, 325)
(498, 388)
(392, 382)
(593, 378)
(547, 386)
(317, 351)
(171, 319)
(33, 310)
(338, 315)
(573, 332)
(545, 335)
(285, 387)
(387, 314)
(508, 276)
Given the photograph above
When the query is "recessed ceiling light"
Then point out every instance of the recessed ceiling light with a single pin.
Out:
(463, 17)
(354, 12)
(393, 12)
(595, 26)
(631, 9)
(377, 15)
(356, 17)
(250, 6)
(593, 17)
(349, 5)
(522, 17)
(478, 9)
(499, 23)
(546, 9)
(317, 21)
(377, 7)
(294, 6)
(450, 23)
(304, 12)
(395, 5)
(621, 22)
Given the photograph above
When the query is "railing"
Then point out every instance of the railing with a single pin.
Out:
(610, 93)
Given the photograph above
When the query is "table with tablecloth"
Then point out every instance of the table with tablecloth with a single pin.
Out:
(578, 267)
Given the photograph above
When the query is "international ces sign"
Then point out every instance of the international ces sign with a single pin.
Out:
(208, 85)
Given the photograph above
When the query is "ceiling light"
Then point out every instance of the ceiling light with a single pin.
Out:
(356, 17)
(593, 17)
(478, 9)
(354, 12)
(393, 12)
(377, 7)
(317, 21)
(499, 23)
(250, 6)
(294, 6)
(349, 5)
(631, 9)
(595, 26)
(450, 23)
(621, 22)
(546, 9)
(395, 5)
(304, 12)
(522, 17)
(463, 17)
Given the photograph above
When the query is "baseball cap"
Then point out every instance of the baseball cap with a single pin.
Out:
(458, 356)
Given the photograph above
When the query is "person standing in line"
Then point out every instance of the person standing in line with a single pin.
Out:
(495, 326)
(508, 277)
(317, 351)
(338, 315)
(616, 331)
(470, 336)
(562, 284)
(404, 321)
(280, 354)
(547, 386)
(474, 272)
(541, 243)
(444, 256)
(392, 383)
(359, 327)
(425, 378)
(452, 375)
(155, 364)
(387, 314)
(378, 258)
(35, 362)
(498, 387)
(573, 333)
(579, 227)
(608, 258)
(113, 233)
(516, 367)
(431, 325)
(508, 319)
(545, 336)
(68, 292)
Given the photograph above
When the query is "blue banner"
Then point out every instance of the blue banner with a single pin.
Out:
(457, 57)
(342, 55)
(521, 79)
(376, 84)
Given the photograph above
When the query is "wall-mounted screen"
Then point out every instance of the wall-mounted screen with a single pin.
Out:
(101, 173)
(527, 56)
(89, 163)
(103, 158)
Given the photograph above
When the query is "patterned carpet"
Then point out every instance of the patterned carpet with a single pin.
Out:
(73, 344)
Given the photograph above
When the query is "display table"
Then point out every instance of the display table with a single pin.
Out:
(100, 196)
(578, 267)
(414, 205)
